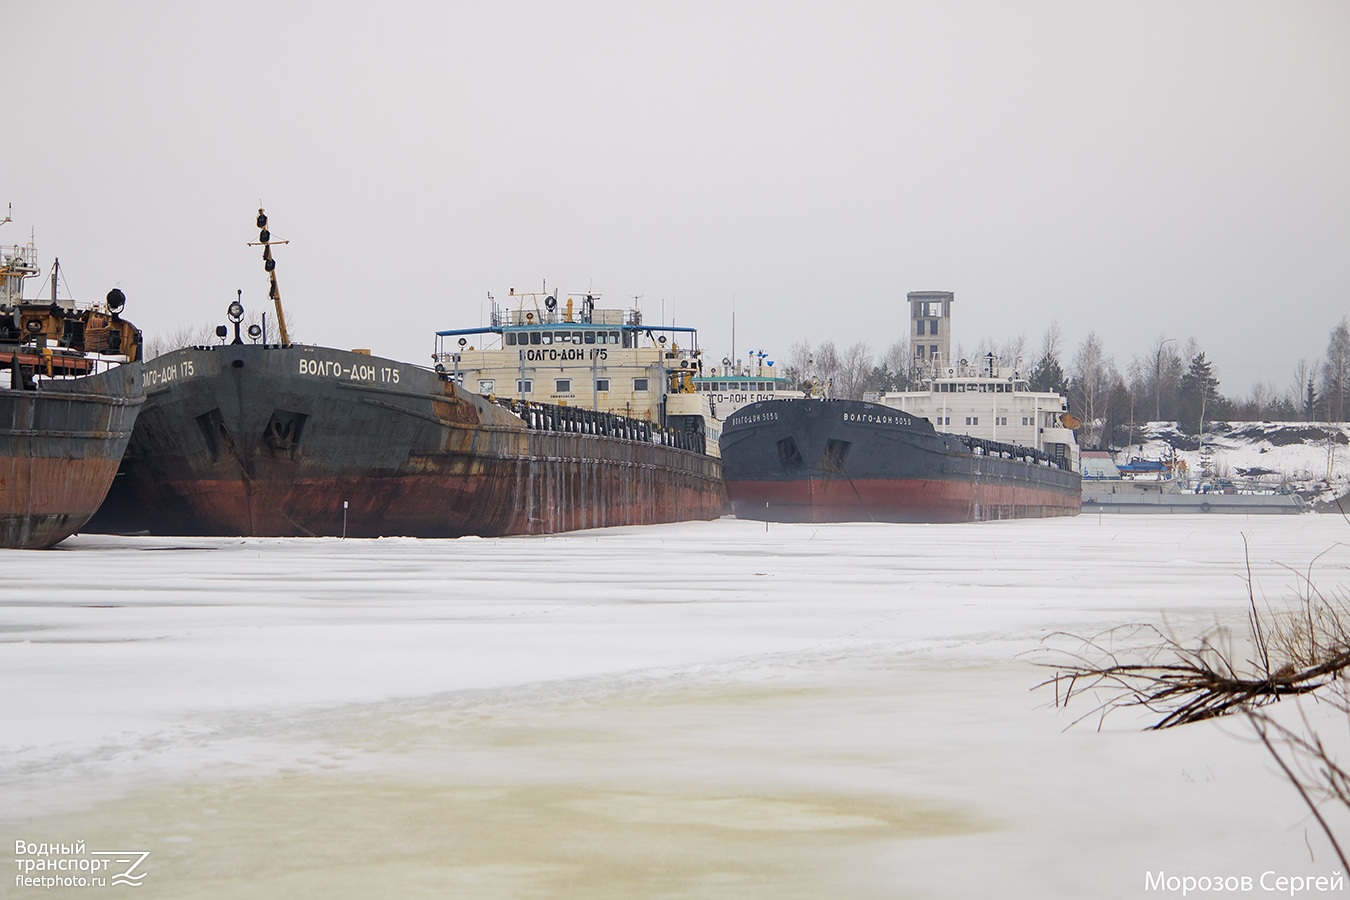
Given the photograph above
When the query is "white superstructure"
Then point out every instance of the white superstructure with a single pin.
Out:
(539, 349)
(989, 401)
(739, 383)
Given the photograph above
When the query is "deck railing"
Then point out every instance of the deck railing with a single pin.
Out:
(576, 420)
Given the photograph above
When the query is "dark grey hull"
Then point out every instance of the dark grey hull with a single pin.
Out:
(846, 460)
(271, 441)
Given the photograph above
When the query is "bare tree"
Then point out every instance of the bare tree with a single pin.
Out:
(162, 342)
(1014, 353)
(1336, 372)
(821, 363)
(1157, 375)
(984, 348)
(1052, 340)
(1009, 352)
(1261, 396)
(1303, 390)
(1047, 373)
(855, 370)
(799, 361)
(1093, 377)
(896, 357)
(828, 363)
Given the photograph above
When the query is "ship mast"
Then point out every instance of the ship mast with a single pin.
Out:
(265, 241)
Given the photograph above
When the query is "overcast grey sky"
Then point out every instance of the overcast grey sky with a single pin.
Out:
(1144, 168)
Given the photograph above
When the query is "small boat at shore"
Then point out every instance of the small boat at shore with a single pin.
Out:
(1151, 487)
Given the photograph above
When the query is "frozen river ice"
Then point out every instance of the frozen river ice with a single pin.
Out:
(698, 710)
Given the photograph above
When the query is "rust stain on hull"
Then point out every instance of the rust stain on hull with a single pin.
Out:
(250, 446)
(59, 451)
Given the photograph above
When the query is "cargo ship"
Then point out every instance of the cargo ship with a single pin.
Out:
(70, 389)
(280, 439)
(740, 382)
(974, 442)
(810, 460)
(568, 351)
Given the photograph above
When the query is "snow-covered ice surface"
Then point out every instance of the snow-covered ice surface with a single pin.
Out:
(686, 711)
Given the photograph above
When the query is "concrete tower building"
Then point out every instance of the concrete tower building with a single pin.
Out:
(930, 335)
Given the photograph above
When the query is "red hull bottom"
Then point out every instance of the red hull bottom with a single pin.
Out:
(252, 445)
(551, 497)
(886, 500)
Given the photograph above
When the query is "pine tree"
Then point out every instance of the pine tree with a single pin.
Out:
(1048, 375)
(1199, 391)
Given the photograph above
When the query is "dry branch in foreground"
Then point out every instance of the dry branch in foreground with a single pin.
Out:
(1302, 649)
(1140, 666)
(1298, 650)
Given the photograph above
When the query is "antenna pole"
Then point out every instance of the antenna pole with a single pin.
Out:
(266, 242)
